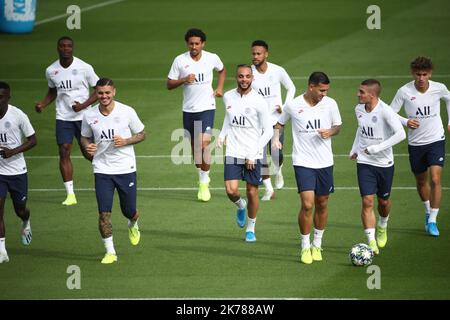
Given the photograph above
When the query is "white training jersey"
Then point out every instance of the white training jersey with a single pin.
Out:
(309, 148)
(424, 107)
(72, 84)
(268, 85)
(246, 126)
(122, 121)
(15, 127)
(199, 95)
(377, 132)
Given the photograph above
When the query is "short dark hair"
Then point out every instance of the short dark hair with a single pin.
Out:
(104, 82)
(260, 43)
(244, 65)
(317, 78)
(4, 85)
(193, 32)
(422, 63)
(65, 38)
(375, 84)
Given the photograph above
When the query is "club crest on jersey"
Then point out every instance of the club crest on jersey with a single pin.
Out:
(7, 124)
(74, 72)
(248, 110)
(374, 119)
(116, 119)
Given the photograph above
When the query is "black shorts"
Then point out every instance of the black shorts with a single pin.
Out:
(126, 187)
(318, 180)
(67, 130)
(196, 123)
(235, 170)
(16, 185)
(422, 157)
(375, 180)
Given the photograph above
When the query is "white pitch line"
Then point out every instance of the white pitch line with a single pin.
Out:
(62, 16)
(351, 77)
(163, 156)
(196, 188)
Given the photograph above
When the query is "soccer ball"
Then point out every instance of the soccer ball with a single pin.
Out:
(361, 255)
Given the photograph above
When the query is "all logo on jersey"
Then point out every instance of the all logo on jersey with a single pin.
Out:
(264, 91)
(65, 84)
(238, 120)
(368, 132)
(425, 111)
(3, 138)
(107, 135)
(200, 77)
(315, 124)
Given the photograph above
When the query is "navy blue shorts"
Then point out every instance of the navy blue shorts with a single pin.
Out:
(375, 180)
(318, 180)
(235, 170)
(126, 187)
(422, 157)
(67, 130)
(17, 186)
(198, 122)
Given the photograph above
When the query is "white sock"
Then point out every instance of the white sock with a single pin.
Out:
(241, 203)
(278, 169)
(427, 206)
(268, 184)
(109, 245)
(69, 187)
(382, 223)
(2, 245)
(203, 176)
(306, 244)
(26, 224)
(370, 233)
(433, 215)
(317, 242)
(251, 225)
(132, 223)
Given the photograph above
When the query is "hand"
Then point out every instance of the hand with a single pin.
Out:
(39, 106)
(324, 133)
(448, 128)
(353, 156)
(218, 93)
(250, 164)
(190, 78)
(413, 123)
(277, 144)
(119, 141)
(6, 153)
(366, 151)
(77, 107)
(91, 148)
(278, 109)
(221, 142)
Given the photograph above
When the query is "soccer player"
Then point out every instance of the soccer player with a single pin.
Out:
(315, 119)
(378, 130)
(426, 136)
(268, 78)
(16, 136)
(247, 129)
(194, 70)
(109, 131)
(69, 80)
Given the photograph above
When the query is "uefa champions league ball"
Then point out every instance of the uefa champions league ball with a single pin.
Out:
(361, 255)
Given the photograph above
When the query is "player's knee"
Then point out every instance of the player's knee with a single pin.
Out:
(435, 180)
(252, 192)
(232, 191)
(384, 202)
(367, 202)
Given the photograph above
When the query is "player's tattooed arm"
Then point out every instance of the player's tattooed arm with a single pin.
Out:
(120, 142)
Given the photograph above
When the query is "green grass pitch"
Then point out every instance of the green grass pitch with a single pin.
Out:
(190, 249)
